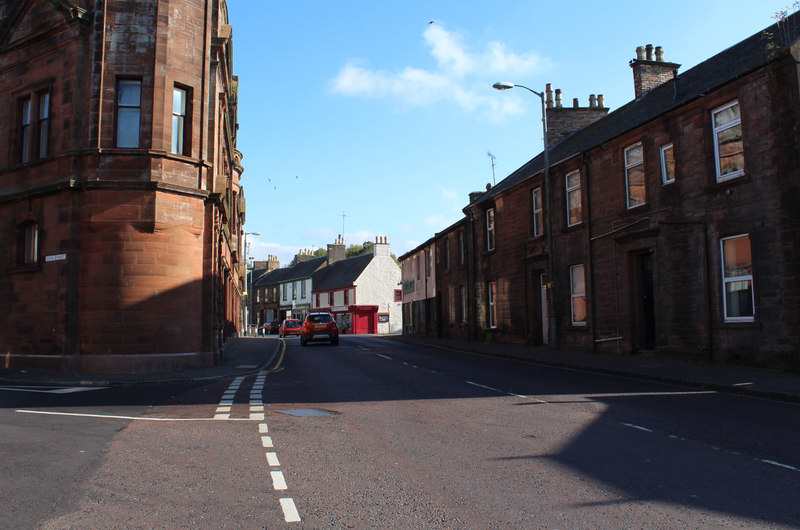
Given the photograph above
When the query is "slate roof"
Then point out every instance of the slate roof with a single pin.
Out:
(342, 273)
(296, 272)
(737, 61)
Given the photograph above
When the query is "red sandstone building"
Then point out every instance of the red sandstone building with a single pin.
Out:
(675, 225)
(119, 185)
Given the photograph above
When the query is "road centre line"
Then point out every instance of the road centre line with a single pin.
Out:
(290, 514)
(119, 417)
(498, 390)
(278, 481)
(384, 356)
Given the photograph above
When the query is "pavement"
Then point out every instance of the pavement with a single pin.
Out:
(248, 355)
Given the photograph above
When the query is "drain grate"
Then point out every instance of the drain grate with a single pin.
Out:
(307, 413)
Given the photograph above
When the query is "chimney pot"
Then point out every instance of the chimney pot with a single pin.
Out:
(592, 101)
(659, 54)
(640, 53)
(558, 98)
(601, 101)
(549, 95)
(649, 52)
(575, 103)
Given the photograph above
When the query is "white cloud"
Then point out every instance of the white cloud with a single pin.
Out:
(460, 76)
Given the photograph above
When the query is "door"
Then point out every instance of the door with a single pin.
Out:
(644, 315)
(543, 300)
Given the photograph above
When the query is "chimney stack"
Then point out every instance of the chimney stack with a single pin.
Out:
(336, 250)
(381, 246)
(650, 71)
(563, 121)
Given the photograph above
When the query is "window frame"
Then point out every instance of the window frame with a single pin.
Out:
(118, 106)
(28, 246)
(665, 176)
(447, 253)
(491, 301)
(576, 295)
(490, 229)
(537, 213)
(569, 192)
(628, 169)
(462, 248)
(463, 304)
(26, 111)
(180, 122)
(716, 132)
(740, 278)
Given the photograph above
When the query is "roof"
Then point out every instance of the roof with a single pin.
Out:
(304, 269)
(343, 273)
(733, 63)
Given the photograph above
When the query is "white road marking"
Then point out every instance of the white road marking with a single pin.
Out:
(257, 416)
(639, 427)
(256, 408)
(278, 482)
(262, 428)
(266, 441)
(48, 390)
(272, 460)
(772, 462)
(290, 514)
(223, 409)
(384, 356)
(222, 416)
(497, 390)
(116, 417)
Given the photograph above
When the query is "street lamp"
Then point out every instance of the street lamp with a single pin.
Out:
(248, 278)
(548, 232)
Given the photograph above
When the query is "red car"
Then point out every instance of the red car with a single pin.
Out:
(290, 326)
(319, 326)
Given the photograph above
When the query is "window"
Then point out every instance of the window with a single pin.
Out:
(737, 279)
(462, 249)
(634, 175)
(538, 218)
(419, 266)
(728, 146)
(34, 126)
(44, 123)
(346, 297)
(294, 290)
(492, 304)
(578, 289)
(463, 304)
(29, 243)
(283, 291)
(398, 295)
(427, 263)
(667, 164)
(573, 184)
(317, 304)
(179, 130)
(25, 132)
(303, 289)
(447, 253)
(490, 229)
(129, 102)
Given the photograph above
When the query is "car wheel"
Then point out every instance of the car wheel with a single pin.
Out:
(335, 341)
(303, 342)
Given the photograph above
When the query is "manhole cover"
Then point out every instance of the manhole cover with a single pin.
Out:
(307, 413)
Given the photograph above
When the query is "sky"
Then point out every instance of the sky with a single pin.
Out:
(378, 118)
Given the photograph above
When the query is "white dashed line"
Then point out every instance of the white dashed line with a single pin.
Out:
(290, 514)
(266, 441)
(272, 460)
(262, 428)
(278, 482)
(639, 427)
(773, 463)
(496, 390)
(384, 356)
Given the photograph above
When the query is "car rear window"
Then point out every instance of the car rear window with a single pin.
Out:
(319, 319)
(292, 322)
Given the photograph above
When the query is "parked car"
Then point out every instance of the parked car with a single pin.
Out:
(272, 328)
(319, 326)
(290, 326)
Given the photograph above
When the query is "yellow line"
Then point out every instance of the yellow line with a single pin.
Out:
(277, 367)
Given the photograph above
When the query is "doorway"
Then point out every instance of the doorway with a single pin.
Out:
(644, 307)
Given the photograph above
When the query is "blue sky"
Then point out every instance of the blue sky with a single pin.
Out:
(384, 110)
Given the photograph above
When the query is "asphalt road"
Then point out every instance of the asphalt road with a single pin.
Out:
(376, 433)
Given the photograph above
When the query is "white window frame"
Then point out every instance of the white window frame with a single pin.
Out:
(537, 212)
(571, 191)
(490, 230)
(666, 178)
(748, 278)
(491, 298)
(630, 166)
(717, 130)
(575, 295)
(179, 96)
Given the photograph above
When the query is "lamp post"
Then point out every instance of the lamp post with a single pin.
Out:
(548, 231)
(248, 278)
